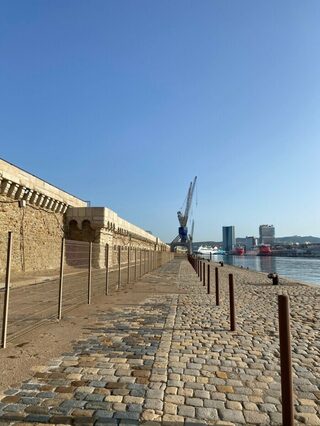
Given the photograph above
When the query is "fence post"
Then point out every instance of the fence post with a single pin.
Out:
(217, 286)
(128, 280)
(119, 267)
(200, 270)
(89, 273)
(61, 278)
(107, 269)
(135, 264)
(204, 273)
(7, 291)
(208, 280)
(285, 360)
(232, 306)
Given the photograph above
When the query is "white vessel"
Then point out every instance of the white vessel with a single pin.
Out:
(207, 250)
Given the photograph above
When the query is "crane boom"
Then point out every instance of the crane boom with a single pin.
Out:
(189, 201)
(183, 218)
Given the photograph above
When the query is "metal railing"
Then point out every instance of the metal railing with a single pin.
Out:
(84, 273)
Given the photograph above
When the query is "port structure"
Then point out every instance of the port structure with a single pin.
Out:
(183, 239)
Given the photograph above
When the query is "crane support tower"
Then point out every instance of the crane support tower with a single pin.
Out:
(183, 239)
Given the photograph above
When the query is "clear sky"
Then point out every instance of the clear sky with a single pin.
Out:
(123, 102)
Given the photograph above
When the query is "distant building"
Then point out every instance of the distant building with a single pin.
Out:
(266, 234)
(228, 238)
(249, 243)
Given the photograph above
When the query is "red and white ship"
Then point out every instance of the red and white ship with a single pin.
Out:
(264, 250)
(238, 251)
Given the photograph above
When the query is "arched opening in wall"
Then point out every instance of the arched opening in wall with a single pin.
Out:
(74, 233)
(88, 234)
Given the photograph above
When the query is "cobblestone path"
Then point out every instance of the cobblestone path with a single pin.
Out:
(171, 359)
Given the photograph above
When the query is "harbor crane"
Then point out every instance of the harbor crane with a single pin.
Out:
(183, 239)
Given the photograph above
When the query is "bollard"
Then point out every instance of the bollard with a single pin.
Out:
(61, 279)
(107, 269)
(232, 306)
(200, 269)
(204, 273)
(89, 273)
(208, 279)
(119, 267)
(210, 256)
(6, 294)
(217, 286)
(274, 277)
(285, 360)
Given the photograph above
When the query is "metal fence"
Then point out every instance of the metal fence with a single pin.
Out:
(84, 272)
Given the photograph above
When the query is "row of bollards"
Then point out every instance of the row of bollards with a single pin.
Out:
(284, 333)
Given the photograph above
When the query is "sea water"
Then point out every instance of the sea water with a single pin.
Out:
(295, 268)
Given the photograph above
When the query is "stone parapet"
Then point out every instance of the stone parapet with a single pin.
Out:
(102, 218)
(18, 184)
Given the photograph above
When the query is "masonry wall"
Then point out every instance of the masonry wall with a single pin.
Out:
(39, 215)
(36, 236)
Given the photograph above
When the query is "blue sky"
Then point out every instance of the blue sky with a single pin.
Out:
(123, 102)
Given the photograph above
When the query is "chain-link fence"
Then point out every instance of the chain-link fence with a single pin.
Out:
(83, 272)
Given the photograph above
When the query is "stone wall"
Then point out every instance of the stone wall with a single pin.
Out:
(103, 226)
(36, 236)
(34, 211)
(39, 215)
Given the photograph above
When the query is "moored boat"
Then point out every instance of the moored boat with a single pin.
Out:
(239, 251)
(207, 250)
(264, 250)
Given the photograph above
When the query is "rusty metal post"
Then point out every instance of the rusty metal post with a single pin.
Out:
(200, 270)
(128, 277)
(208, 279)
(285, 360)
(61, 279)
(204, 273)
(135, 264)
(140, 263)
(107, 269)
(210, 256)
(89, 273)
(7, 292)
(232, 305)
(217, 286)
(119, 267)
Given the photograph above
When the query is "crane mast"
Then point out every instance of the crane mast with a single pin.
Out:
(183, 239)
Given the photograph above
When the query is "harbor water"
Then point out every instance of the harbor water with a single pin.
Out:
(295, 268)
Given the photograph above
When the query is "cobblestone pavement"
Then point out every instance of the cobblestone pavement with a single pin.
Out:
(172, 359)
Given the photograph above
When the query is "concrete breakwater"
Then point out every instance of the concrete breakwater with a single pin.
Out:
(167, 355)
